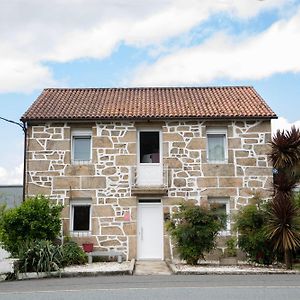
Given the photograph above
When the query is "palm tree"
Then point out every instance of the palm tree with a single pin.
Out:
(284, 219)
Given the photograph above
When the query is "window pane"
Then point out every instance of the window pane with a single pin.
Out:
(216, 147)
(149, 147)
(82, 148)
(220, 209)
(81, 217)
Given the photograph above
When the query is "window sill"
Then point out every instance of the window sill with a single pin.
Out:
(215, 162)
(224, 233)
(80, 233)
(81, 162)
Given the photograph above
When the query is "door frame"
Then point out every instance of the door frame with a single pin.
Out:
(159, 204)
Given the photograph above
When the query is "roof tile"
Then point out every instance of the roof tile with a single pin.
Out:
(177, 102)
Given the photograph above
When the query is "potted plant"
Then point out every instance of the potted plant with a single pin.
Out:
(88, 247)
(229, 258)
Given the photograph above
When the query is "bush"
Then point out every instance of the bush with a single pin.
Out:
(73, 254)
(194, 230)
(253, 240)
(35, 219)
(39, 256)
(231, 249)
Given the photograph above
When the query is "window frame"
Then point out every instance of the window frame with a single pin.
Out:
(160, 136)
(212, 131)
(83, 132)
(226, 201)
(80, 202)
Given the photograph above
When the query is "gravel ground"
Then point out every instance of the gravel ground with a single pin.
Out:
(241, 269)
(99, 267)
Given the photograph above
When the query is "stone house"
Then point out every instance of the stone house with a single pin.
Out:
(121, 160)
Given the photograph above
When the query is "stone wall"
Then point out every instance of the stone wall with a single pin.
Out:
(106, 180)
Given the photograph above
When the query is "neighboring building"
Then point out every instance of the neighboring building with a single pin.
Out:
(121, 160)
(11, 195)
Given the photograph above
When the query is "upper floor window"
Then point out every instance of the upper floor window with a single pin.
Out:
(81, 146)
(216, 145)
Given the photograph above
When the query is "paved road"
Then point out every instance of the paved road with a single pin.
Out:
(173, 287)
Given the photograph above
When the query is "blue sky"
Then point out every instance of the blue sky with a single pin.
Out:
(116, 43)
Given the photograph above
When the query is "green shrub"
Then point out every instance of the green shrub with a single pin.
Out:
(253, 239)
(35, 219)
(194, 229)
(231, 249)
(39, 256)
(73, 254)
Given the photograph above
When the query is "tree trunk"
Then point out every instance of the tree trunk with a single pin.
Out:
(288, 259)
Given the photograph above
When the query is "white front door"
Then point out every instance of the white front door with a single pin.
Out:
(150, 165)
(150, 230)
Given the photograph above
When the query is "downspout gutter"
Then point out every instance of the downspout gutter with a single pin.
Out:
(24, 127)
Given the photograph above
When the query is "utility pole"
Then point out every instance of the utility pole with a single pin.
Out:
(24, 128)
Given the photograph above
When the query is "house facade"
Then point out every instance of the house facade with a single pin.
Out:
(122, 160)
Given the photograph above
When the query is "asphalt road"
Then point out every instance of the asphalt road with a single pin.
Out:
(173, 287)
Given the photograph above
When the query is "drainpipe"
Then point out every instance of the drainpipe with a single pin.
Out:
(24, 160)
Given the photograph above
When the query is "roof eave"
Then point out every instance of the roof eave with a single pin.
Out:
(34, 120)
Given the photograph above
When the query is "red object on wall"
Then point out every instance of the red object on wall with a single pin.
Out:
(88, 247)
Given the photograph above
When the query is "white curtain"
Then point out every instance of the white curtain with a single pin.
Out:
(82, 148)
(216, 147)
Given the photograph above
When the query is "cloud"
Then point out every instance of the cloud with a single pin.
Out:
(12, 175)
(282, 123)
(275, 50)
(35, 32)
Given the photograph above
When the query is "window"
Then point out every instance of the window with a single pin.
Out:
(222, 206)
(216, 145)
(80, 216)
(81, 146)
(149, 147)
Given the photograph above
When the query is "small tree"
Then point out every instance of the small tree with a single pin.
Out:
(250, 224)
(284, 224)
(35, 219)
(194, 229)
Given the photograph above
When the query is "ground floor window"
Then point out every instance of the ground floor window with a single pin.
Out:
(223, 206)
(80, 216)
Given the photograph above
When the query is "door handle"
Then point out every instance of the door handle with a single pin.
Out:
(142, 233)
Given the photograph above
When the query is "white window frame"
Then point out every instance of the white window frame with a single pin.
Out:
(84, 132)
(150, 129)
(226, 201)
(212, 131)
(80, 202)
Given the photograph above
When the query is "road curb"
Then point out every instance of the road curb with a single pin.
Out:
(171, 267)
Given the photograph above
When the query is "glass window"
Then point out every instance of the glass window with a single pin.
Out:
(149, 147)
(81, 215)
(216, 147)
(222, 208)
(81, 145)
(82, 148)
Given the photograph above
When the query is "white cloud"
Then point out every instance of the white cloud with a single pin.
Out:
(274, 51)
(11, 176)
(282, 123)
(33, 32)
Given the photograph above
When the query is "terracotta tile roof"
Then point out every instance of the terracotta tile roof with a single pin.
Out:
(145, 103)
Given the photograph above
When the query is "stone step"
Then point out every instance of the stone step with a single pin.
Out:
(151, 267)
